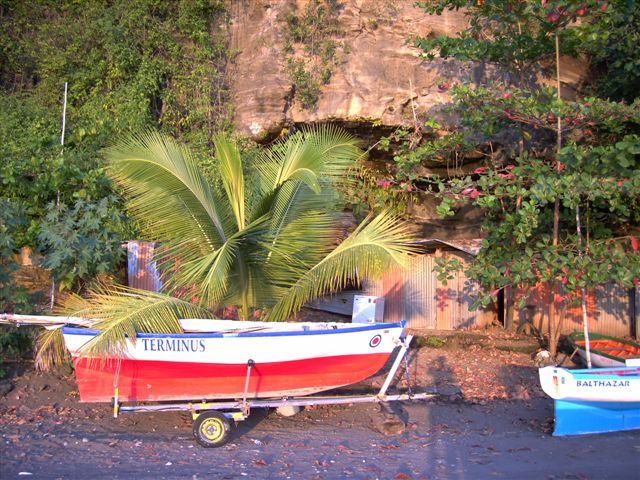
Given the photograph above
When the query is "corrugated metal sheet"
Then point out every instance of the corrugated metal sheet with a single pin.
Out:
(455, 299)
(142, 271)
(609, 309)
(417, 296)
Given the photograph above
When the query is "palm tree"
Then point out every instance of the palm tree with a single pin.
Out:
(261, 235)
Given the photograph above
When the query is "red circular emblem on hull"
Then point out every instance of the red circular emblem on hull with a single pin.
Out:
(375, 341)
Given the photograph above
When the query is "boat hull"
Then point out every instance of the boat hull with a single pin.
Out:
(594, 400)
(605, 351)
(208, 366)
(592, 384)
(582, 418)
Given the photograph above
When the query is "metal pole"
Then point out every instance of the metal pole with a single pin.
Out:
(585, 318)
(64, 122)
(403, 351)
(64, 114)
(245, 405)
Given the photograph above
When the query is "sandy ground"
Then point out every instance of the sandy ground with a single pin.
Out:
(489, 420)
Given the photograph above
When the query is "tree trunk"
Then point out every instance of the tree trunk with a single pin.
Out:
(555, 319)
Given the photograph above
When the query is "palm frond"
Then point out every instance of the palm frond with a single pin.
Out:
(319, 157)
(294, 200)
(51, 350)
(298, 245)
(313, 153)
(232, 176)
(166, 190)
(338, 149)
(377, 244)
(123, 312)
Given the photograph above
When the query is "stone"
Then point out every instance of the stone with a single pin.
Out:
(5, 387)
(288, 410)
(381, 77)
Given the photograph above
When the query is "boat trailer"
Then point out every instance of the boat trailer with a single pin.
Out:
(212, 421)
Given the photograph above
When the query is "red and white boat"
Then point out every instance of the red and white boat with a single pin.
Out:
(220, 359)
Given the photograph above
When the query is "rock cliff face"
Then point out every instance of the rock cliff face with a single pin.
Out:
(376, 81)
(379, 78)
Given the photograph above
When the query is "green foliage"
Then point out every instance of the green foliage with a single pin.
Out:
(561, 200)
(600, 174)
(83, 240)
(12, 297)
(428, 342)
(369, 193)
(517, 35)
(415, 151)
(311, 51)
(272, 248)
(13, 342)
(615, 52)
(129, 65)
(446, 267)
(518, 118)
(307, 87)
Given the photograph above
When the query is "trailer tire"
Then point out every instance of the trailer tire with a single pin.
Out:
(211, 429)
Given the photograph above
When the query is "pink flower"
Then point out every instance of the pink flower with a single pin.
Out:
(508, 176)
(474, 194)
(552, 17)
(506, 95)
(480, 170)
(559, 298)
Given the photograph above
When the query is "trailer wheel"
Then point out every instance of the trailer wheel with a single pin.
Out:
(211, 429)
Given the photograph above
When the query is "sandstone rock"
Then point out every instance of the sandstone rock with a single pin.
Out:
(381, 77)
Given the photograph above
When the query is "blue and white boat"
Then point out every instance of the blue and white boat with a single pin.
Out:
(593, 400)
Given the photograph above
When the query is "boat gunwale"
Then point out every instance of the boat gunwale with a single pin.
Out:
(576, 336)
(365, 327)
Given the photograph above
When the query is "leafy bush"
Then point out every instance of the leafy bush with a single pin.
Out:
(82, 240)
(13, 342)
(12, 297)
(129, 65)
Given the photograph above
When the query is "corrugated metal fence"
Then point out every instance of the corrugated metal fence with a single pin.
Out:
(142, 272)
(416, 295)
(610, 310)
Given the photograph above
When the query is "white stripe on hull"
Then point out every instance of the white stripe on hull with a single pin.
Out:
(238, 349)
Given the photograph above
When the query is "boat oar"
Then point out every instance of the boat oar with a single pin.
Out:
(47, 321)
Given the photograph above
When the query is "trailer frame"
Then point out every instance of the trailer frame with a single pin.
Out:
(213, 420)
